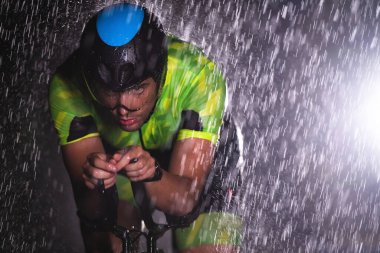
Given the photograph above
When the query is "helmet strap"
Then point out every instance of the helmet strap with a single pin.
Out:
(88, 87)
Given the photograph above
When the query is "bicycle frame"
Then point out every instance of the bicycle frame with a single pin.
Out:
(151, 237)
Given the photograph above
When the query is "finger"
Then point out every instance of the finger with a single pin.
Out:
(89, 185)
(137, 179)
(138, 164)
(95, 156)
(135, 173)
(141, 163)
(117, 156)
(86, 169)
(92, 183)
(109, 182)
(101, 183)
(113, 161)
(88, 182)
(144, 176)
(126, 160)
(100, 161)
(97, 173)
(146, 171)
(120, 153)
(104, 184)
(132, 150)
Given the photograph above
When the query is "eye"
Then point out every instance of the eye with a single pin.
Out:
(108, 92)
(137, 90)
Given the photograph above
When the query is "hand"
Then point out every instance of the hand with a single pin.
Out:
(99, 166)
(136, 163)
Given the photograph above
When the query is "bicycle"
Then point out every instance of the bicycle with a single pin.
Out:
(129, 236)
(126, 235)
(151, 236)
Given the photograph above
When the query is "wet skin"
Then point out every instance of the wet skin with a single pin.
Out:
(130, 108)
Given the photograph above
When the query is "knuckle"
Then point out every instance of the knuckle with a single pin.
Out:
(97, 174)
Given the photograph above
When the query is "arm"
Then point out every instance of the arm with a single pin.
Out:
(82, 149)
(189, 167)
(180, 187)
(81, 157)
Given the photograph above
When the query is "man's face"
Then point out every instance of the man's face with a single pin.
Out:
(132, 107)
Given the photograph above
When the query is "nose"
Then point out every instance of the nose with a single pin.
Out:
(122, 110)
(124, 102)
(129, 101)
(123, 97)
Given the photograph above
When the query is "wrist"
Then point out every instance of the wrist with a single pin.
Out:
(157, 173)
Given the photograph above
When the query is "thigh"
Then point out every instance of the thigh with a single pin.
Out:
(127, 215)
(212, 249)
(211, 232)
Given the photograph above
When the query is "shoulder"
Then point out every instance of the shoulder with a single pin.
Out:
(190, 63)
(66, 81)
(66, 89)
(186, 54)
(191, 72)
(69, 103)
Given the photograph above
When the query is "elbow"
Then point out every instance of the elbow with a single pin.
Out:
(186, 210)
(184, 206)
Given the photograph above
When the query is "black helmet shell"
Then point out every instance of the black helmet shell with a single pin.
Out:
(122, 66)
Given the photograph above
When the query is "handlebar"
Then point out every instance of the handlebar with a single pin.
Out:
(151, 236)
(129, 236)
(155, 231)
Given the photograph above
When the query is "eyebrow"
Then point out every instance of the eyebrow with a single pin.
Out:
(137, 86)
(143, 83)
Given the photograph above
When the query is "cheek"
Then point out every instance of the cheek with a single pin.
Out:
(145, 98)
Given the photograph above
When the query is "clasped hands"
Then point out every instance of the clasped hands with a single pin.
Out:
(133, 162)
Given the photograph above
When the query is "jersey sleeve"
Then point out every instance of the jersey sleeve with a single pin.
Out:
(71, 114)
(203, 101)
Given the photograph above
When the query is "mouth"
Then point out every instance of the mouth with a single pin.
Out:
(130, 122)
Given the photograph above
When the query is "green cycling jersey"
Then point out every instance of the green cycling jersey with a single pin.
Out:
(193, 88)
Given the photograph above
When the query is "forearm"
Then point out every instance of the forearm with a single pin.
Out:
(174, 194)
(178, 190)
(78, 157)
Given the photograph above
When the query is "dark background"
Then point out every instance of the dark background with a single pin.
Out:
(297, 71)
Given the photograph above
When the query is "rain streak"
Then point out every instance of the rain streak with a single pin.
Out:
(304, 86)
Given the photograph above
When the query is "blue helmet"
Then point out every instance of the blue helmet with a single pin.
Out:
(121, 46)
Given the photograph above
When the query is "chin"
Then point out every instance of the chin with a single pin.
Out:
(130, 128)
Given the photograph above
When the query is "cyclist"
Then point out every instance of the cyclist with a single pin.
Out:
(136, 105)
